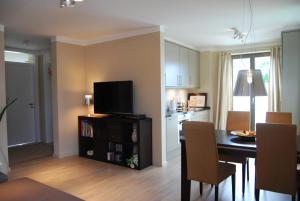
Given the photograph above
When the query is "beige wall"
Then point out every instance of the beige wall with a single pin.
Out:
(68, 86)
(3, 125)
(209, 79)
(139, 59)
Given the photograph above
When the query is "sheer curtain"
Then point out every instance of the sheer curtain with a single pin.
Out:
(224, 97)
(275, 80)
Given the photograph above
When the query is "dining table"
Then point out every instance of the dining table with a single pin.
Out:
(226, 144)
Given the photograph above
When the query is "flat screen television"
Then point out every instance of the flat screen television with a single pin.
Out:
(113, 97)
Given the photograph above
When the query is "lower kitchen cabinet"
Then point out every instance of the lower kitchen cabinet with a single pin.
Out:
(174, 125)
(172, 132)
(200, 115)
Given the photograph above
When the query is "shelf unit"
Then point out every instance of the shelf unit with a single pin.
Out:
(117, 140)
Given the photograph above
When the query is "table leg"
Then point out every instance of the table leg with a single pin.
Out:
(185, 183)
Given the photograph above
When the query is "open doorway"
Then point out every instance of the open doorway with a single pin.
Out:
(28, 78)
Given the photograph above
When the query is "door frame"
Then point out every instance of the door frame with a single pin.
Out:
(36, 91)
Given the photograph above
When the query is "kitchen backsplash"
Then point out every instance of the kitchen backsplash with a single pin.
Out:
(175, 97)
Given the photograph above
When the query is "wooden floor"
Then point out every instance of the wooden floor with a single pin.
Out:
(93, 180)
(28, 152)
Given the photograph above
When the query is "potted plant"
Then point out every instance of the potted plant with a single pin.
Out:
(5, 108)
(133, 161)
(3, 177)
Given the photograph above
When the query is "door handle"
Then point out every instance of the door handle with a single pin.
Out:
(31, 105)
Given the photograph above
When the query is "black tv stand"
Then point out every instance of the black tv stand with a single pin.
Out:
(127, 116)
(135, 116)
(116, 139)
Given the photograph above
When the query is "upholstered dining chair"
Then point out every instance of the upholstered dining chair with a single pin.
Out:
(279, 117)
(238, 120)
(276, 159)
(202, 156)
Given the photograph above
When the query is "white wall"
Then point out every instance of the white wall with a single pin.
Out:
(68, 87)
(45, 93)
(139, 59)
(3, 126)
(291, 74)
(209, 80)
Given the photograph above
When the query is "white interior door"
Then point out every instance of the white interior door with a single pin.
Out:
(20, 117)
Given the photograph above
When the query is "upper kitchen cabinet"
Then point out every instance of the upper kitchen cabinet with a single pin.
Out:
(171, 65)
(181, 67)
(183, 75)
(194, 69)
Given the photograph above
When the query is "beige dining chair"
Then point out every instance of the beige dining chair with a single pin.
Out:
(202, 156)
(276, 159)
(238, 120)
(279, 117)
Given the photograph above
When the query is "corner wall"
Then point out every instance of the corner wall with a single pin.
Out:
(3, 126)
(209, 79)
(68, 85)
(139, 59)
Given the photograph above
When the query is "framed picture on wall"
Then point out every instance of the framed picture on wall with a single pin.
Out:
(196, 100)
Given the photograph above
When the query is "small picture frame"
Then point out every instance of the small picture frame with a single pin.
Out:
(197, 100)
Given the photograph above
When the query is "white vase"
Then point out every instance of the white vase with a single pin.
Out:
(134, 134)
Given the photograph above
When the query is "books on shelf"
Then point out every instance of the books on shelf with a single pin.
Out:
(86, 129)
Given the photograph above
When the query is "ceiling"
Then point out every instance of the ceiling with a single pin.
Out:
(202, 24)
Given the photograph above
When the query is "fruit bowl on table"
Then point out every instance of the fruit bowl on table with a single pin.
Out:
(247, 135)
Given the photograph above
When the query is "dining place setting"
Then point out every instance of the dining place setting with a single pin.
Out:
(210, 156)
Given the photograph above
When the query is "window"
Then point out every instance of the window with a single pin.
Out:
(259, 61)
(19, 57)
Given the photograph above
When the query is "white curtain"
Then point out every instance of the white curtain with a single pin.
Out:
(275, 80)
(224, 97)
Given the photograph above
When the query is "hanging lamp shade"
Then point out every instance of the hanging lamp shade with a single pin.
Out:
(245, 78)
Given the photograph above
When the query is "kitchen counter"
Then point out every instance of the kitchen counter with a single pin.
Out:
(168, 114)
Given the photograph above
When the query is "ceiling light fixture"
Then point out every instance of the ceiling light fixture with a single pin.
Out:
(68, 3)
(237, 34)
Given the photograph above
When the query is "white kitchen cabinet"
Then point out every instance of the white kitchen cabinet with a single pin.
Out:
(183, 74)
(194, 69)
(181, 66)
(200, 116)
(171, 64)
(172, 135)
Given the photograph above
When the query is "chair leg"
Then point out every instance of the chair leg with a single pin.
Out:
(216, 192)
(256, 194)
(247, 169)
(293, 198)
(233, 186)
(201, 187)
(243, 177)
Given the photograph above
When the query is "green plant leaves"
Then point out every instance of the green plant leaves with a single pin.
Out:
(5, 108)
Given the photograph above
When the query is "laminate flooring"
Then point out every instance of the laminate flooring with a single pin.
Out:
(28, 152)
(97, 181)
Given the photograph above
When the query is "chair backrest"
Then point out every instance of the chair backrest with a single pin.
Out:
(237, 120)
(279, 117)
(201, 151)
(276, 157)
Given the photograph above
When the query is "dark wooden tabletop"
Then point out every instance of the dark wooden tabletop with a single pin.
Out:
(226, 140)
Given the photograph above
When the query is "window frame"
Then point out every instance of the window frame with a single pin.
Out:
(251, 56)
